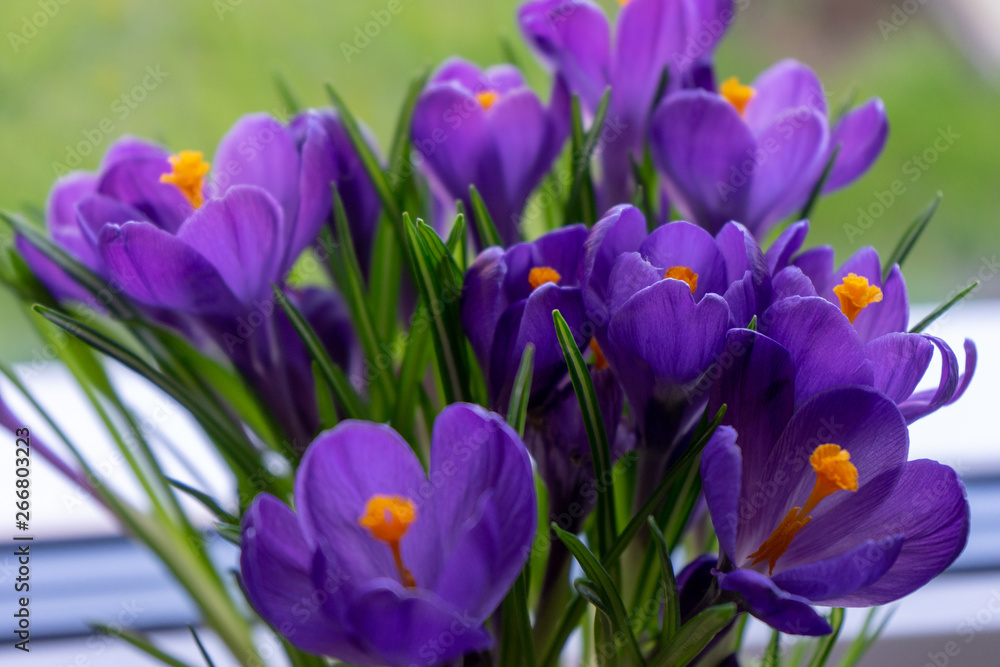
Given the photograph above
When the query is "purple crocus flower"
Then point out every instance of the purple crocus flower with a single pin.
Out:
(661, 305)
(507, 302)
(819, 505)
(754, 154)
(878, 313)
(487, 128)
(656, 42)
(382, 564)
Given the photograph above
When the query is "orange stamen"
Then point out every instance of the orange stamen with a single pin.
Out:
(684, 274)
(600, 362)
(388, 518)
(188, 175)
(855, 295)
(487, 98)
(540, 275)
(736, 93)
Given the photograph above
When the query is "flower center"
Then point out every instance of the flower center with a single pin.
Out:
(855, 295)
(388, 518)
(540, 275)
(736, 93)
(487, 98)
(684, 274)
(834, 472)
(188, 174)
(600, 361)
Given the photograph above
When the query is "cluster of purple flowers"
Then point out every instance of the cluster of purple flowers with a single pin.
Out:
(807, 482)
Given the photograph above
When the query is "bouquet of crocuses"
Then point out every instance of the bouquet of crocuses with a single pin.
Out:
(454, 445)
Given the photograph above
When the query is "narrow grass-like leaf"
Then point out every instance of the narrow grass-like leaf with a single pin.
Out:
(141, 643)
(368, 158)
(517, 412)
(210, 503)
(817, 190)
(201, 647)
(354, 293)
(694, 636)
(576, 608)
(398, 148)
(412, 371)
(942, 309)
(600, 451)
(288, 98)
(385, 277)
(486, 230)
(866, 637)
(772, 654)
(911, 236)
(516, 647)
(324, 399)
(583, 150)
(349, 401)
(671, 597)
(439, 282)
(588, 591)
(603, 586)
(826, 644)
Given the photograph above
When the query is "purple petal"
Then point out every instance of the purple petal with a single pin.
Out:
(861, 135)
(482, 482)
(891, 314)
(483, 301)
(276, 563)
(899, 360)
(260, 151)
(824, 345)
(156, 268)
(749, 291)
(690, 246)
(136, 182)
(700, 142)
(951, 386)
(786, 86)
(794, 145)
(929, 507)
(573, 37)
(243, 236)
(817, 265)
(340, 472)
(783, 611)
(630, 274)
(786, 245)
(843, 574)
(54, 278)
(721, 465)
(790, 282)
(131, 148)
(621, 230)
(404, 630)
(95, 211)
(60, 209)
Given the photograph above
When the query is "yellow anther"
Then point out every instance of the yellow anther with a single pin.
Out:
(855, 295)
(487, 98)
(834, 472)
(188, 175)
(540, 275)
(736, 93)
(600, 362)
(684, 274)
(388, 518)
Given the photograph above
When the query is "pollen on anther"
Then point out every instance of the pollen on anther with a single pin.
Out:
(683, 274)
(540, 275)
(187, 174)
(736, 93)
(487, 98)
(856, 294)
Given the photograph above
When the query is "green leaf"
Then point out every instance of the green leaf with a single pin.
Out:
(411, 374)
(826, 644)
(818, 188)
(694, 636)
(210, 503)
(581, 192)
(600, 451)
(201, 647)
(517, 412)
(942, 309)
(753, 323)
(772, 654)
(288, 99)
(398, 149)
(324, 400)
(588, 591)
(440, 285)
(368, 158)
(866, 637)
(140, 643)
(353, 289)
(516, 647)
(350, 403)
(486, 230)
(911, 236)
(604, 588)
(671, 597)
(385, 273)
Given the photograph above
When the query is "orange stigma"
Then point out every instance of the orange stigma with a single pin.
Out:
(487, 98)
(834, 472)
(600, 362)
(855, 295)
(188, 174)
(736, 93)
(540, 275)
(684, 274)
(388, 518)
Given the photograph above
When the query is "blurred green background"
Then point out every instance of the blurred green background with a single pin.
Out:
(66, 64)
